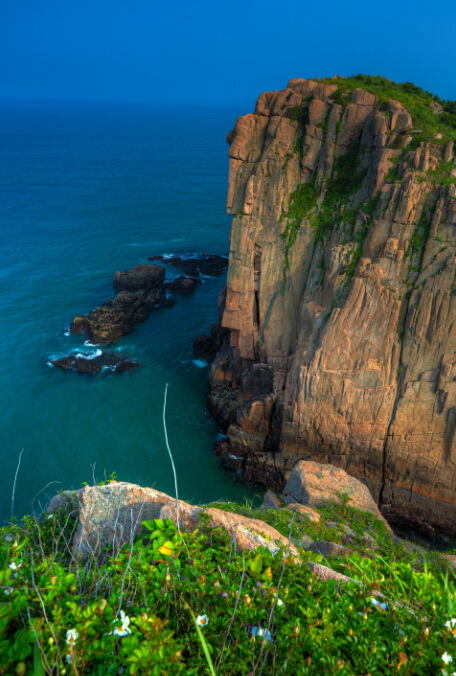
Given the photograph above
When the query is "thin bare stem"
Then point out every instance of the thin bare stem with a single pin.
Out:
(171, 458)
(14, 484)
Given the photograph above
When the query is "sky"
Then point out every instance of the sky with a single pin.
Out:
(215, 52)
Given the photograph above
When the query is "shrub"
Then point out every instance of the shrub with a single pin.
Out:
(192, 604)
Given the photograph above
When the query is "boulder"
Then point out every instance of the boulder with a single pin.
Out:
(451, 559)
(304, 541)
(182, 284)
(313, 484)
(111, 516)
(326, 548)
(308, 512)
(140, 277)
(208, 346)
(271, 500)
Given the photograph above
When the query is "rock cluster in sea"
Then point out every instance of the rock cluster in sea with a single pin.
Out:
(140, 290)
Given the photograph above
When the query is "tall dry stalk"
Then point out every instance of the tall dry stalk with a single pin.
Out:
(14, 484)
(171, 458)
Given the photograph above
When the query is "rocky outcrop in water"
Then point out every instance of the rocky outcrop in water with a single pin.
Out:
(95, 365)
(115, 318)
(193, 265)
(140, 277)
(341, 295)
(142, 289)
(182, 284)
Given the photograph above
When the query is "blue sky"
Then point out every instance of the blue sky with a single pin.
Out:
(216, 52)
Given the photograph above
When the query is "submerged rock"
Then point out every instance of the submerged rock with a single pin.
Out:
(206, 264)
(94, 365)
(182, 284)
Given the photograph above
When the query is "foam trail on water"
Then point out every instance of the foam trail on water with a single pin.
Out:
(200, 363)
(89, 355)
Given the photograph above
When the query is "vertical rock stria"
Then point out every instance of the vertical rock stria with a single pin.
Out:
(341, 298)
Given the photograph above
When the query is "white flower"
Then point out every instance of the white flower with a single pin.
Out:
(50, 516)
(15, 566)
(8, 590)
(446, 658)
(68, 658)
(202, 620)
(225, 595)
(124, 628)
(259, 632)
(72, 636)
(379, 606)
(451, 625)
(280, 602)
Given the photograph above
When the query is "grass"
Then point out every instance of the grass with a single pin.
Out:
(192, 604)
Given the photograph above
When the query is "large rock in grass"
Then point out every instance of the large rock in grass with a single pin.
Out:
(314, 484)
(111, 516)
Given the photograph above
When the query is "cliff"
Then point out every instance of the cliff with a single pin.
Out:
(341, 293)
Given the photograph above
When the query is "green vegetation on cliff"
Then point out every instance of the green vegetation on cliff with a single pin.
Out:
(415, 99)
(191, 603)
(325, 203)
(324, 214)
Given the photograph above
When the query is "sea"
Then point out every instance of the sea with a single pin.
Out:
(86, 190)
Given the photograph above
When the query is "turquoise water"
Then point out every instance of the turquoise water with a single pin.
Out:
(85, 192)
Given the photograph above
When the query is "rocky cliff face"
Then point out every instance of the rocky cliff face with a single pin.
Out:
(341, 297)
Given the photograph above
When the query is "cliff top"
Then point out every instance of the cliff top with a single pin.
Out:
(430, 113)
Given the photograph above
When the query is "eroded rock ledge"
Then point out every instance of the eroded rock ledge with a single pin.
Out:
(111, 516)
(341, 298)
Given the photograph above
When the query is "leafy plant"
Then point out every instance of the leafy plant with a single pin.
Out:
(191, 604)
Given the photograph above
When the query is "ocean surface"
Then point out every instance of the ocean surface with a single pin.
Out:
(84, 192)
